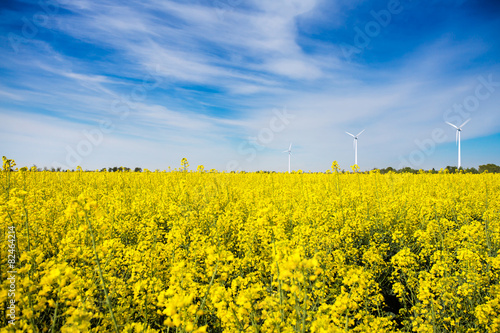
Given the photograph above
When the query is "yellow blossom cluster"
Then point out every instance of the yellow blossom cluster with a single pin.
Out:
(211, 251)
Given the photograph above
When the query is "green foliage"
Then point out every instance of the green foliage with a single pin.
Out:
(491, 168)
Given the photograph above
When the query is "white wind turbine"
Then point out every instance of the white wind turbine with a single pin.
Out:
(457, 139)
(289, 151)
(355, 143)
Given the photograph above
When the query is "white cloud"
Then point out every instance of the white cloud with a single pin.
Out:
(11, 95)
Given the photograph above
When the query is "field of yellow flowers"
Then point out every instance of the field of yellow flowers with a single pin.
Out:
(249, 252)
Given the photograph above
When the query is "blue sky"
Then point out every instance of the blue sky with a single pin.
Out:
(230, 83)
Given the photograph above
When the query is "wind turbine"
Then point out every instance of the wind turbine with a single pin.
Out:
(457, 139)
(289, 151)
(355, 144)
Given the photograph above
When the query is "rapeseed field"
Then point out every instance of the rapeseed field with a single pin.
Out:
(250, 252)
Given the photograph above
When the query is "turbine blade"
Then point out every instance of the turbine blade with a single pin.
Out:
(456, 138)
(351, 134)
(290, 148)
(360, 133)
(465, 122)
(451, 124)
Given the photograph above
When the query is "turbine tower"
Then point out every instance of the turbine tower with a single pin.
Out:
(289, 151)
(457, 139)
(355, 144)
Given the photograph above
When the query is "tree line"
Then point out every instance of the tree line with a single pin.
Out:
(490, 168)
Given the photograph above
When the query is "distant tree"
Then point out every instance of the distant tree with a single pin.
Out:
(115, 169)
(387, 170)
(451, 169)
(53, 169)
(471, 170)
(491, 168)
(103, 170)
(137, 169)
(407, 170)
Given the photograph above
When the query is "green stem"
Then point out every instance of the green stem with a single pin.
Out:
(54, 317)
(108, 302)
(202, 305)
